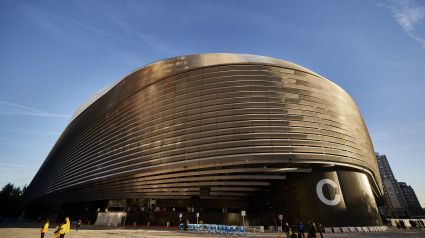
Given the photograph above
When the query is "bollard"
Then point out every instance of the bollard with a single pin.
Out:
(168, 224)
(149, 223)
(134, 224)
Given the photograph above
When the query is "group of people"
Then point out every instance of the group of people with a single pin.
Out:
(60, 230)
(310, 229)
(415, 224)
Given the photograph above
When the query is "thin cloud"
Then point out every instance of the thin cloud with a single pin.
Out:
(154, 43)
(376, 132)
(17, 165)
(410, 16)
(7, 108)
(93, 29)
(55, 23)
(29, 132)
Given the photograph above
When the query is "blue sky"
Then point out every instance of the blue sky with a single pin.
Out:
(56, 54)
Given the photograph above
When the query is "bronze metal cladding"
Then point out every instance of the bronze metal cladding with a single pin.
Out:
(209, 126)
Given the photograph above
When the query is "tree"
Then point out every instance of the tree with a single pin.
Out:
(10, 197)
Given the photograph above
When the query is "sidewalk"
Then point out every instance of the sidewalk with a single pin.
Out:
(31, 229)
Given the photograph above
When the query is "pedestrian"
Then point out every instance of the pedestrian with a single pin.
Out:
(311, 229)
(291, 229)
(60, 230)
(319, 229)
(412, 224)
(67, 226)
(78, 225)
(186, 224)
(403, 225)
(286, 229)
(57, 232)
(300, 230)
(44, 228)
(181, 225)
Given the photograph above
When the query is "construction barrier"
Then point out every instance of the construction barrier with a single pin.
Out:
(212, 228)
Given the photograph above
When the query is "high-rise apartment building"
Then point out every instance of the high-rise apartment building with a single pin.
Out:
(395, 205)
(412, 202)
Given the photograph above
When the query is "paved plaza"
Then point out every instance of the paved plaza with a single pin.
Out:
(31, 229)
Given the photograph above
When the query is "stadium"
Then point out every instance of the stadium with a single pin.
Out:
(213, 135)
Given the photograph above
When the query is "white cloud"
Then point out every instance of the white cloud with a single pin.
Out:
(411, 17)
(7, 108)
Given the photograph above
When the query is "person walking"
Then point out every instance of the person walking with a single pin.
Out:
(293, 229)
(319, 229)
(60, 231)
(311, 229)
(300, 230)
(286, 229)
(57, 232)
(186, 224)
(44, 228)
(78, 225)
(67, 226)
(403, 225)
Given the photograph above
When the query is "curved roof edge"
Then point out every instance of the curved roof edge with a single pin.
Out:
(168, 67)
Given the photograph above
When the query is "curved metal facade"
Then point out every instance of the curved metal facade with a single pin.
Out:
(223, 127)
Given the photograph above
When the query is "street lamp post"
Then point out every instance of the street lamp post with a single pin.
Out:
(281, 219)
(243, 213)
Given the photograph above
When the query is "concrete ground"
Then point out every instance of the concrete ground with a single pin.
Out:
(32, 230)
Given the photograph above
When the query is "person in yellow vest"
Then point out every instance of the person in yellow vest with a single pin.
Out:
(67, 226)
(60, 231)
(44, 228)
(57, 233)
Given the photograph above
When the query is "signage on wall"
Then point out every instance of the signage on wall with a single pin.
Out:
(319, 190)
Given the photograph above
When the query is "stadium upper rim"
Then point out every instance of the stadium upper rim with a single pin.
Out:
(191, 62)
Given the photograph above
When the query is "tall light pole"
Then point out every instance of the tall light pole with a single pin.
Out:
(281, 219)
(243, 213)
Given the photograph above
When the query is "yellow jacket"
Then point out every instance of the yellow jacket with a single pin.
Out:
(67, 226)
(63, 228)
(60, 230)
(57, 232)
(45, 227)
